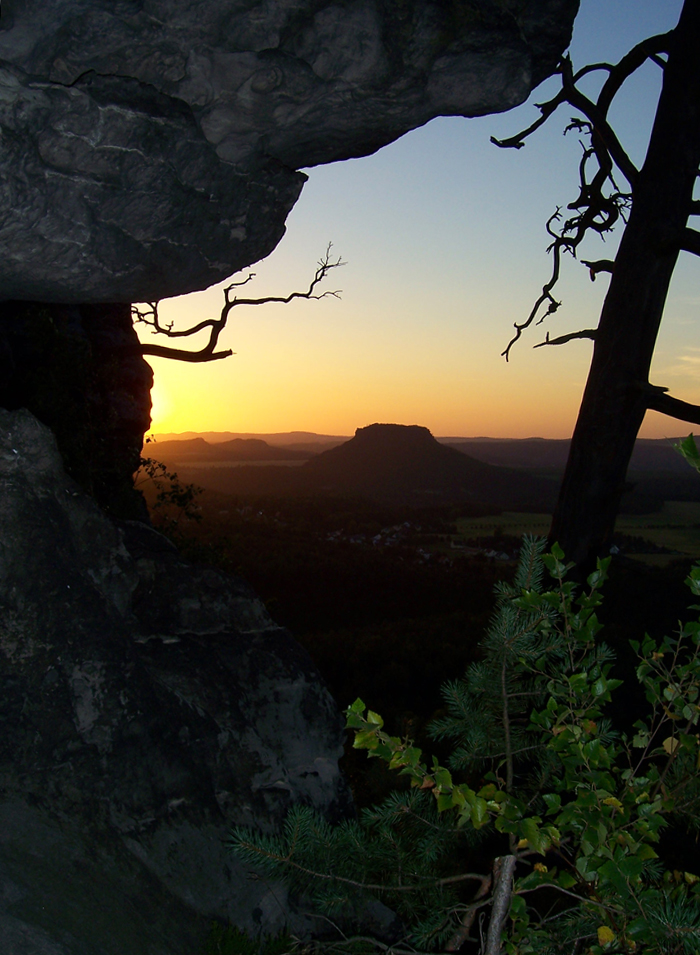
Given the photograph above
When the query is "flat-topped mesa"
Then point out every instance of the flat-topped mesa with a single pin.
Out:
(151, 147)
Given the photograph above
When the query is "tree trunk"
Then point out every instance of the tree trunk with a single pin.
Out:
(616, 394)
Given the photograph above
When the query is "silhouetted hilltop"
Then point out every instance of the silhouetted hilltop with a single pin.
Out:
(405, 463)
(392, 463)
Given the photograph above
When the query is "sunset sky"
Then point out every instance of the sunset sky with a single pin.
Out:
(444, 239)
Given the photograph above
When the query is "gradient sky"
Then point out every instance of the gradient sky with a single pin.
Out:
(444, 239)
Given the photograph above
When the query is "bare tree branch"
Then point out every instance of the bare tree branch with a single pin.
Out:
(646, 50)
(216, 326)
(546, 110)
(180, 354)
(673, 407)
(690, 241)
(563, 339)
(600, 203)
(601, 265)
(598, 119)
(462, 933)
(504, 869)
(546, 295)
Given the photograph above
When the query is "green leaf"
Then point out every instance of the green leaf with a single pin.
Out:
(689, 450)
(579, 682)
(537, 838)
(586, 868)
(552, 801)
(412, 755)
(375, 718)
(556, 550)
(365, 739)
(442, 777)
(631, 867)
(646, 852)
(480, 813)
(610, 871)
(518, 907)
(566, 880)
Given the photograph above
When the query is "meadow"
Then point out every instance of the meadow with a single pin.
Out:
(675, 528)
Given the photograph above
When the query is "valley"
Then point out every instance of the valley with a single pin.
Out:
(390, 593)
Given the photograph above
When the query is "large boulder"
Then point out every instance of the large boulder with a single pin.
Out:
(146, 706)
(151, 147)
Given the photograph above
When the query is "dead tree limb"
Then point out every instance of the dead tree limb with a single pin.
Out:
(215, 326)
(563, 339)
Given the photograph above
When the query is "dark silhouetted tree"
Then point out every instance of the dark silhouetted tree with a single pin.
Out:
(654, 203)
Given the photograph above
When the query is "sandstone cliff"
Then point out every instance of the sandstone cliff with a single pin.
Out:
(151, 147)
(146, 706)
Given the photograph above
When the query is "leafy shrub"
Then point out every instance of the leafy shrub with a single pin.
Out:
(169, 500)
(541, 833)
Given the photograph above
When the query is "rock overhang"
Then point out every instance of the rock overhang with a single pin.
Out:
(152, 147)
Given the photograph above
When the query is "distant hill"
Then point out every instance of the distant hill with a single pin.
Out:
(300, 440)
(237, 449)
(649, 454)
(393, 463)
(405, 461)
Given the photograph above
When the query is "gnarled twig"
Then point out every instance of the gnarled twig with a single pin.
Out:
(216, 326)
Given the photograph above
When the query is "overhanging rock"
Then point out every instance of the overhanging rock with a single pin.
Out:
(151, 147)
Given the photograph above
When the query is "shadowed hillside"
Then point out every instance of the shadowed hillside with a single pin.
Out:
(649, 454)
(656, 473)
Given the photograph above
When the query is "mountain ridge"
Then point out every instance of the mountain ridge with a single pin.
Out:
(650, 454)
(391, 463)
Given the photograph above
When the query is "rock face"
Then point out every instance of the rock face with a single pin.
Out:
(146, 706)
(79, 370)
(151, 147)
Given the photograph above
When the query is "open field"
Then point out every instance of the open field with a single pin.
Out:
(676, 526)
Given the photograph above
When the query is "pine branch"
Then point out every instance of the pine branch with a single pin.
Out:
(252, 849)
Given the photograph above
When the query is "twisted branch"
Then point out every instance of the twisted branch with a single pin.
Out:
(600, 202)
(216, 326)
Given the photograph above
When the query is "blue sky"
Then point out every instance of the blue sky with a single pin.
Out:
(444, 238)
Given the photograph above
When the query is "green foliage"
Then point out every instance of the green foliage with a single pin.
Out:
(538, 784)
(689, 450)
(169, 500)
